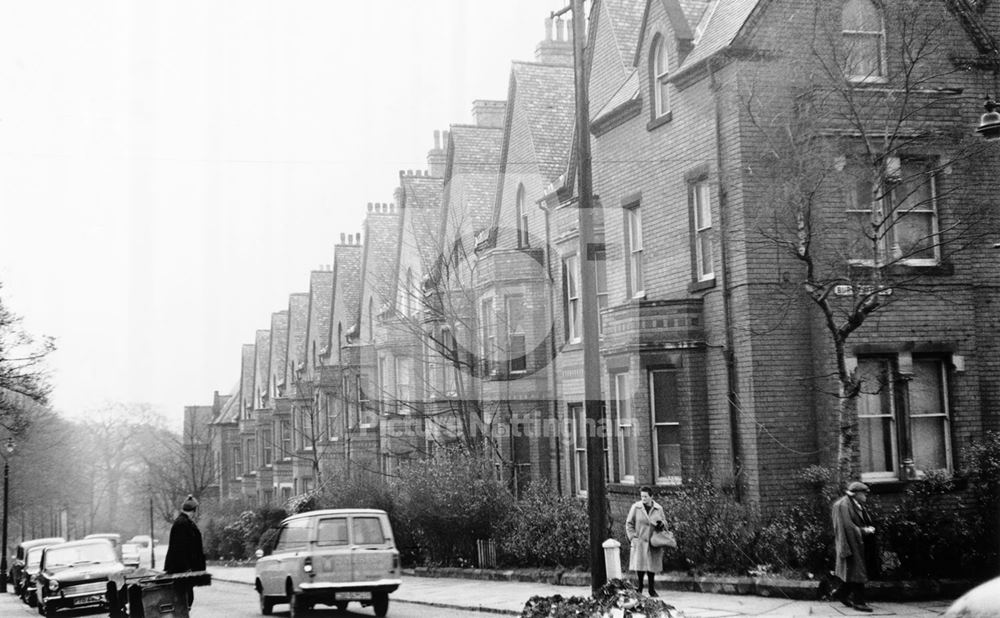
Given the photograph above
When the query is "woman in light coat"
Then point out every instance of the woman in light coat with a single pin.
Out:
(644, 518)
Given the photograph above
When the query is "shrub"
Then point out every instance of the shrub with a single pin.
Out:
(545, 529)
(982, 461)
(928, 534)
(450, 501)
(714, 532)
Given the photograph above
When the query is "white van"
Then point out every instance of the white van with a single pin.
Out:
(331, 557)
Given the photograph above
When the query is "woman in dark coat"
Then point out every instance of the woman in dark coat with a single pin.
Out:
(644, 518)
(184, 550)
(852, 531)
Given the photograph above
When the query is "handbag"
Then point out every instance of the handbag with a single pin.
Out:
(663, 538)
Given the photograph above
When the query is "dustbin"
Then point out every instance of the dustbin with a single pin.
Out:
(154, 596)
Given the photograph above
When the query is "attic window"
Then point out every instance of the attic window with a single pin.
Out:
(864, 41)
(661, 74)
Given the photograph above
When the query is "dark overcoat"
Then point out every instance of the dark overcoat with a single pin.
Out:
(639, 526)
(849, 541)
(184, 552)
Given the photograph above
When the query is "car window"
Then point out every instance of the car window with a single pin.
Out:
(79, 554)
(34, 558)
(368, 531)
(332, 531)
(294, 536)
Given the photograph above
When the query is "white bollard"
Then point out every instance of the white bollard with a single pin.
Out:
(612, 559)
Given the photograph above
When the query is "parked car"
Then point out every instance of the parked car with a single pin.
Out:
(331, 557)
(130, 555)
(143, 541)
(983, 601)
(17, 565)
(114, 537)
(76, 574)
(29, 574)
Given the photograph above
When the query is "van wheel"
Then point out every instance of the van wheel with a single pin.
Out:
(380, 603)
(266, 604)
(297, 606)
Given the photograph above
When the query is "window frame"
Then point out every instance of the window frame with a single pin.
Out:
(572, 306)
(515, 329)
(655, 425)
(700, 196)
(880, 46)
(488, 337)
(900, 400)
(521, 218)
(889, 211)
(659, 79)
(636, 284)
(627, 442)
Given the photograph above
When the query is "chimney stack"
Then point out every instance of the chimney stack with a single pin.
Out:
(557, 49)
(436, 158)
(488, 113)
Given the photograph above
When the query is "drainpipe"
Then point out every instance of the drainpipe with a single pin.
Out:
(553, 374)
(732, 377)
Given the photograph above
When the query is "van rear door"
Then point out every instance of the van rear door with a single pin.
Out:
(332, 556)
(373, 548)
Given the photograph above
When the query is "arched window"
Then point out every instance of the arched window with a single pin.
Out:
(864, 40)
(660, 66)
(522, 219)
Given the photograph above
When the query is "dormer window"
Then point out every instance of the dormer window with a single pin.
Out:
(864, 41)
(661, 74)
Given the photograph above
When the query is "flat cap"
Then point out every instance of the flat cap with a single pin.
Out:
(857, 486)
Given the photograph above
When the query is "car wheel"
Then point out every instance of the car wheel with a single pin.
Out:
(380, 603)
(266, 604)
(341, 606)
(42, 609)
(31, 600)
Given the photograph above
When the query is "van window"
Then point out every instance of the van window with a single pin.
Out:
(293, 536)
(368, 531)
(332, 531)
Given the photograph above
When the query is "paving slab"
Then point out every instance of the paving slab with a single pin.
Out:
(509, 597)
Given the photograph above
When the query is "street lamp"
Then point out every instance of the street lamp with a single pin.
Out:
(989, 123)
(9, 446)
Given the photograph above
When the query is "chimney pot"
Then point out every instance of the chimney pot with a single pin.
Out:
(370, 205)
(548, 28)
(559, 29)
(342, 238)
(359, 238)
(437, 139)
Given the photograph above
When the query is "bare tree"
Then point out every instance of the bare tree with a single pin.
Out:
(837, 122)
(23, 379)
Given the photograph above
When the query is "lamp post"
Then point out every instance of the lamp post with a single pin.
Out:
(6, 475)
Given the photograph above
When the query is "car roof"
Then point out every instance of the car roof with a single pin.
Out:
(103, 535)
(323, 512)
(52, 540)
(81, 542)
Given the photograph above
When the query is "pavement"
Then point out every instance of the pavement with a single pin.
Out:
(505, 597)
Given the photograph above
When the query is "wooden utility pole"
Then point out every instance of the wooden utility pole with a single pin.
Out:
(588, 254)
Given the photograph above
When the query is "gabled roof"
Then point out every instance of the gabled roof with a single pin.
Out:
(347, 289)
(230, 412)
(421, 206)
(625, 18)
(545, 94)
(320, 312)
(470, 180)
(725, 22)
(683, 29)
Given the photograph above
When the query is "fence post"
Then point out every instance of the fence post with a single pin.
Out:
(612, 559)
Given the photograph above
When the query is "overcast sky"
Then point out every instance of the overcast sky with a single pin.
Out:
(171, 171)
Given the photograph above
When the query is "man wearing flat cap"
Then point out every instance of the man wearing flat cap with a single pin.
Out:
(184, 551)
(853, 531)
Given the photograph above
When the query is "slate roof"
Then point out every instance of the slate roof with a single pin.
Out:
(230, 409)
(347, 287)
(628, 92)
(724, 24)
(626, 17)
(470, 179)
(262, 372)
(279, 349)
(694, 10)
(545, 94)
(298, 316)
(320, 312)
(421, 201)
(381, 251)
